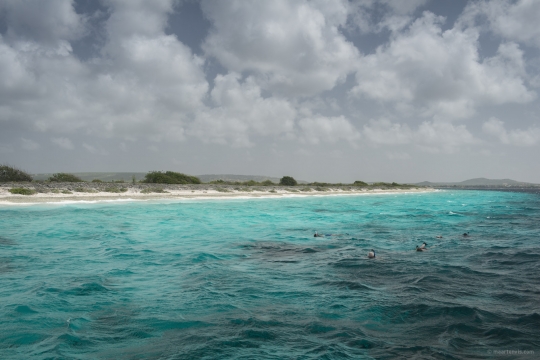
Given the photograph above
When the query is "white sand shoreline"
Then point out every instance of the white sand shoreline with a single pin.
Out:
(6, 198)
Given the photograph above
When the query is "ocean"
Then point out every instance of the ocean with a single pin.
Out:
(246, 279)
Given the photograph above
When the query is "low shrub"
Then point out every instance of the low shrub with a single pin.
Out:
(55, 191)
(12, 174)
(64, 177)
(170, 177)
(97, 181)
(115, 190)
(306, 189)
(360, 183)
(22, 191)
(288, 181)
(153, 190)
(84, 190)
(224, 190)
(66, 192)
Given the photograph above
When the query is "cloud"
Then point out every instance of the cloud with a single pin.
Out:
(93, 150)
(370, 16)
(143, 83)
(383, 131)
(513, 20)
(239, 111)
(429, 136)
(317, 129)
(29, 144)
(291, 47)
(64, 143)
(439, 73)
(287, 68)
(398, 155)
(48, 24)
(517, 137)
(6, 148)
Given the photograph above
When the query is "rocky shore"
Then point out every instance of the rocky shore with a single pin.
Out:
(42, 192)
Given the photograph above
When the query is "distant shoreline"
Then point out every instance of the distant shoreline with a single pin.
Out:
(94, 192)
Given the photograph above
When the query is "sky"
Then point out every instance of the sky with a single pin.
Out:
(333, 91)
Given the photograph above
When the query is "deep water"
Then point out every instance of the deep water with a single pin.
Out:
(246, 279)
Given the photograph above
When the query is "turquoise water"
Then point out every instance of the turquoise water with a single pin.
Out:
(246, 278)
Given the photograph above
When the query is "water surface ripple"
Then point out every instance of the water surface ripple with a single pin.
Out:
(246, 278)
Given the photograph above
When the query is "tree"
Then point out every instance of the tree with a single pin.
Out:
(360, 183)
(288, 181)
(64, 177)
(9, 173)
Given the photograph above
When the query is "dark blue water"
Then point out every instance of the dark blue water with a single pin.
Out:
(246, 279)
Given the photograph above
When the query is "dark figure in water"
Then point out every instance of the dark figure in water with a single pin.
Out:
(324, 235)
(371, 254)
(421, 247)
(465, 234)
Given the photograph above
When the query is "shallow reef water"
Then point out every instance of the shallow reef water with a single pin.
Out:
(246, 279)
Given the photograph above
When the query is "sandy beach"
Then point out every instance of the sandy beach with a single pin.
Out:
(69, 192)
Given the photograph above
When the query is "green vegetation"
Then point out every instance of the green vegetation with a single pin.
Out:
(288, 181)
(64, 177)
(224, 190)
(115, 190)
(66, 192)
(390, 185)
(360, 183)
(22, 191)
(84, 190)
(97, 181)
(12, 174)
(324, 184)
(306, 189)
(170, 177)
(153, 190)
(245, 183)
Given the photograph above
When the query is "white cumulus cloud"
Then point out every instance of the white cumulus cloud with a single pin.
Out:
(292, 47)
(239, 111)
(320, 129)
(439, 73)
(518, 137)
(513, 20)
(429, 136)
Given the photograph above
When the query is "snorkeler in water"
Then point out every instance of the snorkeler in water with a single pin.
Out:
(324, 235)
